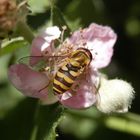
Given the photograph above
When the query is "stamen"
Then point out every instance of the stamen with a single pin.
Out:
(62, 33)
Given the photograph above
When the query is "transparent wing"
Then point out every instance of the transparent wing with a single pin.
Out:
(40, 63)
(36, 63)
(47, 65)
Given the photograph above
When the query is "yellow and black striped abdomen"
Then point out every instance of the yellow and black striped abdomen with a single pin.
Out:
(65, 77)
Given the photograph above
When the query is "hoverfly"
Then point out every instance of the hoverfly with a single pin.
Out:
(72, 66)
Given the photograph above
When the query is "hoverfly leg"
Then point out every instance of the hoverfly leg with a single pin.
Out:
(75, 88)
(44, 87)
(73, 91)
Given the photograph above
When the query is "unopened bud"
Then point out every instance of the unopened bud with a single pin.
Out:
(9, 16)
(115, 96)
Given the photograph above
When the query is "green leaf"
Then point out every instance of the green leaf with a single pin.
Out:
(78, 126)
(58, 19)
(37, 6)
(12, 45)
(29, 121)
(19, 122)
(47, 119)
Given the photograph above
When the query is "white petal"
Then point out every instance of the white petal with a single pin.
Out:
(44, 46)
(52, 33)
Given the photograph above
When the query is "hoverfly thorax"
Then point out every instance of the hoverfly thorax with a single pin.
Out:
(82, 56)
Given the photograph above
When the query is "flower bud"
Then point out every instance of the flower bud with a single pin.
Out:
(10, 14)
(114, 96)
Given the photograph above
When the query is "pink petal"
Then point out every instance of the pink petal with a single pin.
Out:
(85, 95)
(99, 40)
(42, 45)
(37, 44)
(27, 81)
(83, 99)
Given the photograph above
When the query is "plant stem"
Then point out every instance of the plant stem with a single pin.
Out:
(25, 31)
(35, 129)
(132, 116)
(128, 123)
(123, 125)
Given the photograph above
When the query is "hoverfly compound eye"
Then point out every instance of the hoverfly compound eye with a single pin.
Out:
(86, 51)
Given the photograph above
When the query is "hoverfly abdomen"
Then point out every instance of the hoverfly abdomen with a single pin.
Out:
(63, 79)
(69, 72)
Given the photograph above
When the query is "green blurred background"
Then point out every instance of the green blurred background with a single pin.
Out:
(124, 17)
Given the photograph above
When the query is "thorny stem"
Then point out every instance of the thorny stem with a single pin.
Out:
(128, 123)
(34, 131)
(25, 31)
